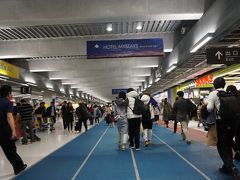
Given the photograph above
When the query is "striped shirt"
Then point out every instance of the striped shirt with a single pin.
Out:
(25, 111)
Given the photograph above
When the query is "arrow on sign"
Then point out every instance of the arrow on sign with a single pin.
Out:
(219, 54)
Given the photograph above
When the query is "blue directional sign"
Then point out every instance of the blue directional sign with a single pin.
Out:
(125, 48)
(117, 91)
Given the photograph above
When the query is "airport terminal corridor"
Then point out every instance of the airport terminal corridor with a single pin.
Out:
(95, 155)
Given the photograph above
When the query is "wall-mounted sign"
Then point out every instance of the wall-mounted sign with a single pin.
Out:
(204, 80)
(117, 91)
(26, 90)
(125, 48)
(223, 56)
(9, 70)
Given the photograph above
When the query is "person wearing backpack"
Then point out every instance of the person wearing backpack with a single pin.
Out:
(134, 120)
(236, 144)
(223, 129)
(181, 109)
(147, 122)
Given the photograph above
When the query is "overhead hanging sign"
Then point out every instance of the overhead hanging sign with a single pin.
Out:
(223, 56)
(117, 91)
(9, 70)
(125, 48)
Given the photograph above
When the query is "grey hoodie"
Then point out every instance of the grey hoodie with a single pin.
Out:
(120, 108)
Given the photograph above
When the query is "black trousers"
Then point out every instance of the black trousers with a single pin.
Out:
(134, 131)
(175, 126)
(53, 120)
(9, 149)
(64, 122)
(84, 121)
(70, 125)
(147, 124)
(225, 134)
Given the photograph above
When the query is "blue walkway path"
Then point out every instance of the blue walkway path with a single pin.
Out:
(95, 155)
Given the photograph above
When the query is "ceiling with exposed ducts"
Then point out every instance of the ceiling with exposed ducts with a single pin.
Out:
(49, 38)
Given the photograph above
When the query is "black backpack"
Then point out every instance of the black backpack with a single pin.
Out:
(139, 108)
(192, 108)
(229, 106)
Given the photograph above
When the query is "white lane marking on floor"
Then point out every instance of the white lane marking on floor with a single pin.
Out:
(194, 167)
(90, 153)
(135, 165)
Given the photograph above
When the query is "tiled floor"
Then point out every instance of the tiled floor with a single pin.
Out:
(32, 153)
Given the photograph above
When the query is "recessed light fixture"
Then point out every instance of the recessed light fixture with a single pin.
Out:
(109, 27)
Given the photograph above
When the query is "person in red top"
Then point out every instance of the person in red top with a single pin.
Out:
(7, 130)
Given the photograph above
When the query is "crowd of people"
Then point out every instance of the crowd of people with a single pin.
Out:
(134, 115)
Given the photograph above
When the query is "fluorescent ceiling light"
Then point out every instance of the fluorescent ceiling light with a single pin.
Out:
(172, 67)
(31, 84)
(5, 77)
(149, 85)
(201, 42)
(57, 78)
(139, 26)
(168, 50)
(157, 79)
(147, 66)
(51, 89)
(226, 78)
(140, 75)
(109, 27)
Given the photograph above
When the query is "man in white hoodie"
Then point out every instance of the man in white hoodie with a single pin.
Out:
(147, 118)
(134, 120)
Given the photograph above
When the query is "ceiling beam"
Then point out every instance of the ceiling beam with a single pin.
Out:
(39, 12)
(67, 46)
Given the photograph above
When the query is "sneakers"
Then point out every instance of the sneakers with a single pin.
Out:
(137, 149)
(188, 142)
(18, 171)
(149, 142)
(131, 147)
(123, 147)
(146, 143)
(230, 171)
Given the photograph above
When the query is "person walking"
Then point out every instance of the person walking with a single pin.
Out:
(223, 128)
(120, 113)
(147, 121)
(83, 115)
(167, 110)
(63, 113)
(70, 118)
(181, 109)
(25, 112)
(51, 113)
(134, 120)
(7, 130)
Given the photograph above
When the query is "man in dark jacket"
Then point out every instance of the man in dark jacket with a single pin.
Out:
(83, 115)
(51, 113)
(7, 130)
(181, 109)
